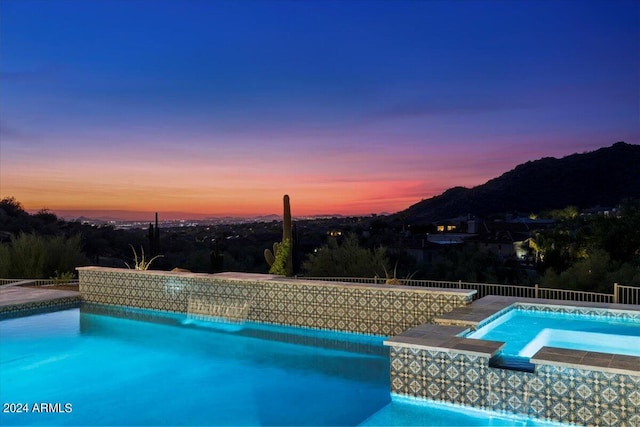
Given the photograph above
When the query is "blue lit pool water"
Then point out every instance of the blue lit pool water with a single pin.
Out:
(112, 370)
(526, 331)
(405, 411)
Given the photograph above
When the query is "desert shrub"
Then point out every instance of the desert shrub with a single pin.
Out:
(37, 257)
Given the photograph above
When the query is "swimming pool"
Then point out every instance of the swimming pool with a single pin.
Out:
(98, 366)
(526, 331)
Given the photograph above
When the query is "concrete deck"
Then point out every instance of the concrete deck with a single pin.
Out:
(20, 295)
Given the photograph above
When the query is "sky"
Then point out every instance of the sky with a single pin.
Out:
(205, 108)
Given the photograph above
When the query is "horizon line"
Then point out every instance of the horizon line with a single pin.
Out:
(149, 216)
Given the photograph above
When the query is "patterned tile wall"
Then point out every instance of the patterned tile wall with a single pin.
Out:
(356, 308)
(26, 309)
(579, 396)
(587, 311)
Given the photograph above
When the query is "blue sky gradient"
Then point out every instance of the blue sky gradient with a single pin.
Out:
(352, 107)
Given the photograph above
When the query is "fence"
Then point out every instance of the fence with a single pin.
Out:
(627, 294)
(621, 294)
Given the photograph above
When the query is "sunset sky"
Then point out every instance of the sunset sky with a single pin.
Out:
(209, 108)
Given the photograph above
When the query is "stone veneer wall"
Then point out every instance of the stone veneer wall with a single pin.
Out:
(371, 309)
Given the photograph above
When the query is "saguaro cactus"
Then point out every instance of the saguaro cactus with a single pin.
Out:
(286, 220)
(154, 238)
(281, 259)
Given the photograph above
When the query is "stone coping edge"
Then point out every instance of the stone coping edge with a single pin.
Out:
(581, 359)
(483, 348)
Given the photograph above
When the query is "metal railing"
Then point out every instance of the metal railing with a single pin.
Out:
(571, 295)
(48, 282)
(621, 294)
(626, 294)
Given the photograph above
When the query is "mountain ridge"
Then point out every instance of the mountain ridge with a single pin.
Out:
(602, 177)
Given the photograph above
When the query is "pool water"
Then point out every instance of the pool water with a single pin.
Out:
(525, 332)
(406, 411)
(98, 369)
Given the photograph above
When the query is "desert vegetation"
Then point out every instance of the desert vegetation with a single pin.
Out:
(580, 251)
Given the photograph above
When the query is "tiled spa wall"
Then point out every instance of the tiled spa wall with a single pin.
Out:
(370, 309)
(580, 395)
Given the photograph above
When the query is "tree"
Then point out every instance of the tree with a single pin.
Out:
(586, 274)
(619, 236)
(598, 251)
(11, 207)
(13, 217)
(472, 264)
(346, 259)
(596, 273)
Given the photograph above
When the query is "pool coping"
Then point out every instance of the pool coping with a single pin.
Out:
(444, 335)
(613, 363)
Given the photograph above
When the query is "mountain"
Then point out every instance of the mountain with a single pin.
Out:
(598, 178)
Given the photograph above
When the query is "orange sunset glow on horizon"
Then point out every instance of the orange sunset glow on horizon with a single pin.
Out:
(351, 107)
